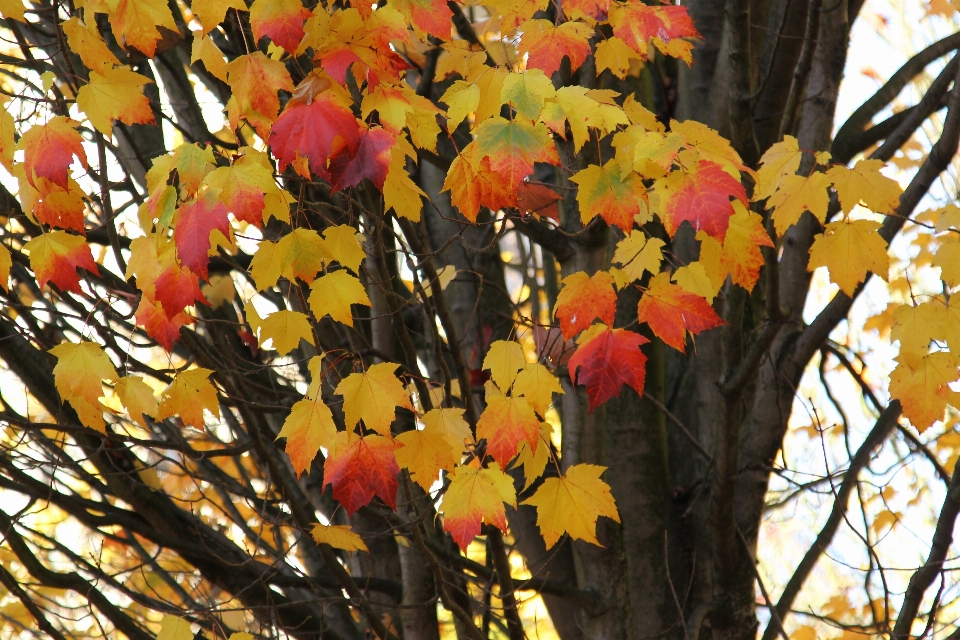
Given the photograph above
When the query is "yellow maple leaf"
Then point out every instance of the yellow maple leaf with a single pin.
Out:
(850, 249)
(490, 81)
(286, 328)
(115, 94)
(266, 265)
(614, 54)
(212, 12)
(779, 161)
(571, 504)
(797, 194)
(79, 374)
(461, 98)
(192, 163)
(86, 42)
(343, 243)
(574, 107)
(864, 183)
(302, 254)
(338, 536)
(424, 453)
(948, 259)
(527, 91)
(915, 326)
(535, 461)
(504, 359)
(537, 385)
(923, 390)
(188, 395)
(137, 398)
(450, 422)
(136, 23)
(13, 10)
(334, 293)
(637, 253)
(308, 427)
(693, 277)
(174, 628)
(400, 193)
(373, 396)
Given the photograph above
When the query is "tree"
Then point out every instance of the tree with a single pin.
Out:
(464, 304)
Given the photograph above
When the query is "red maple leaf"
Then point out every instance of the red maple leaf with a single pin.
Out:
(282, 22)
(637, 23)
(176, 288)
(703, 199)
(539, 199)
(191, 234)
(370, 158)
(56, 256)
(606, 362)
(309, 130)
(360, 469)
(164, 330)
(49, 149)
(672, 312)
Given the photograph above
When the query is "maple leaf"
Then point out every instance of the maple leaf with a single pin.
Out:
(137, 22)
(923, 390)
(343, 243)
(527, 91)
(6, 262)
(334, 293)
(86, 42)
(370, 159)
(672, 312)
(649, 153)
(308, 130)
(584, 298)
(637, 24)
(176, 288)
(473, 497)
(603, 192)
(255, 80)
(707, 144)
(693, 277)
(607, 359)
(614, 54)
(638, 253)
(137, 398)
(56, 256)
(165, 330)
(546, 45)
(590, 9)
(338, 536)
(537, 385)
(574, 107)
(301, 254)
(948, 259)
(194, 224)
(212, 12)
(534, 462)
(850, 249)
(779, 161)
(572, 503)
(740, 255)
(188, 395)
(308, 427)
(373, 396)
(429, 16)
(864, 183)
(248, 190)
(424, 454)
(505, 423)
(539, 200)
(513, 147)
(174, 628)
(205, 50)
(115, 94)
(280, 20)
(797, 194)
(400, 193)
(504, 359)
(462, 99)
(49, 149)
(359, 468)
(701, 197)
(450, 423)
(286, 329)
(192, 163)
(49, 204)
(473, 184)
(79, 374)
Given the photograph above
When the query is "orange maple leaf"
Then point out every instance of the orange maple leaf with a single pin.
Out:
(546, 44)
(49, 149)
(165, 330)
(361, 467)
(474, 496)
(672, 312)
(584, 298)
(280, 20)
(505, 423)
(56, 256)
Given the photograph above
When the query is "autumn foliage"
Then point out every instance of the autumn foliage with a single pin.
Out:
(274, 294)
